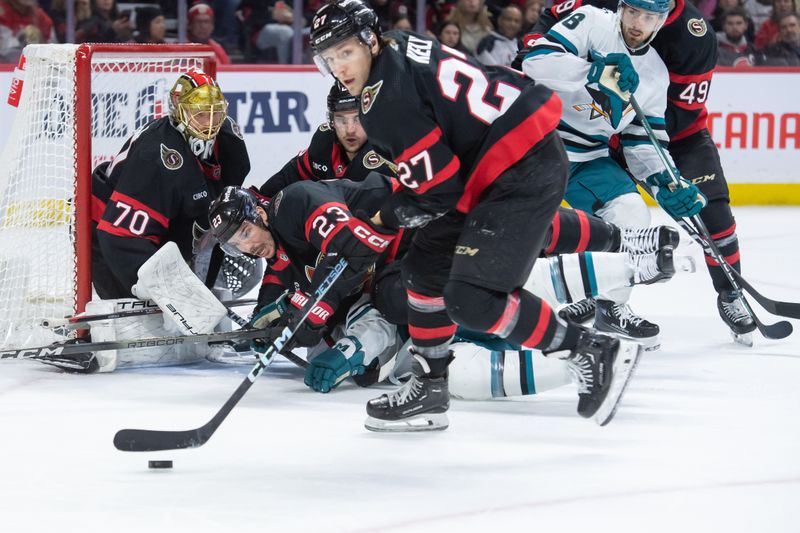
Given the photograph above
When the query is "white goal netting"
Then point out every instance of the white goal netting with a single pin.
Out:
(40, 270)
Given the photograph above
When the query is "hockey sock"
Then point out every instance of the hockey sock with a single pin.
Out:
(430, 328)
(520, 317)
(721, 225)
(573, 230)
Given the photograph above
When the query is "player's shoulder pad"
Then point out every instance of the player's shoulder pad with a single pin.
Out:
(230, 126)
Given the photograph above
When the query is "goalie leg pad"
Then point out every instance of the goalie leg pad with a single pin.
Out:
(166, 279)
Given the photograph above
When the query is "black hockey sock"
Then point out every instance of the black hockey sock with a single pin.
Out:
(430, 328)
(573, 231)
(721, 225)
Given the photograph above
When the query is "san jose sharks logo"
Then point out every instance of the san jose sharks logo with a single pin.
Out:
(604, 107)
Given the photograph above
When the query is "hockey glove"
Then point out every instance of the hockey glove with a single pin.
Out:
(309, 331)
(361, 242)
(679, 200)
(334, 365)
(268, 317)
(615, 72)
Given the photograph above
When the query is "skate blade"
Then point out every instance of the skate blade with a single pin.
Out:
(745, 339)
(624, 366)
(423, 422)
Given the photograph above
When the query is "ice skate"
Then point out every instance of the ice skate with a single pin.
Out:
(419, 405)
(735, 315)
(601, 366)
(578, 312)
(637, 241)
(616, 318)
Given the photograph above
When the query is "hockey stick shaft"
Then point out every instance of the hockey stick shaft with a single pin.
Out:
(240, 320)
(779, 330)
(150, 308)
(140, 440)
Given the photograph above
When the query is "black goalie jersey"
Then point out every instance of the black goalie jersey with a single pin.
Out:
(450, 125)
(153, 192)
(326, 159)
(688, 48)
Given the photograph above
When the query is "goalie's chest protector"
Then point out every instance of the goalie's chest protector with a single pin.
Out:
(596, 29)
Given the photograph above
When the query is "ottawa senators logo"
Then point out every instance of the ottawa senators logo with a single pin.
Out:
(368, 96)
(311, 269)
(171, 158)
(697, 27)
(236, 129)
(372, 160)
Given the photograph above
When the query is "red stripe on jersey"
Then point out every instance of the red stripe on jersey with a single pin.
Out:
(426, 334)
(510, 149)
(119, 231)
(556, 233)
(541, 327)
(583, 242)
(509, 314)
(271, 279)
(423, 144)
(443, 175)
(304, 168)
(529, 39)
(421, 299)
(676, 12)
(724, 233)
(699, 124)
(731, 259)
(139, 206)
(280, 261)
(98, 208)
(328, 234)
(395, 185)
(691, 78)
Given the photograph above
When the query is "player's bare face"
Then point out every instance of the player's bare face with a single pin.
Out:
(254, 239)
(349, 131)
(638, 25)
(349, 62)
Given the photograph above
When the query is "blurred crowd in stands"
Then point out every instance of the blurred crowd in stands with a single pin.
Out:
(749, 32)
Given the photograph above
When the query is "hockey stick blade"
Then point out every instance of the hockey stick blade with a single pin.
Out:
(775, 307)
(143, 440)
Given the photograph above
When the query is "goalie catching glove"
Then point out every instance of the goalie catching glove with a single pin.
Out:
(682, 199)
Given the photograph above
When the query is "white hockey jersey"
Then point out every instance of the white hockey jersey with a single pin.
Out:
(559, 61)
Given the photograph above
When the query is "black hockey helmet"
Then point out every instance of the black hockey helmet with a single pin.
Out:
(229, 211)
(340, 20)
(340, 99)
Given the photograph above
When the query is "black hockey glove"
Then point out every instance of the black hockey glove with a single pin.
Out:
(361, 242)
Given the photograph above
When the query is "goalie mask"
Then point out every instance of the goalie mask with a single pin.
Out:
(640, 20)
(197, 105)
(237, 225)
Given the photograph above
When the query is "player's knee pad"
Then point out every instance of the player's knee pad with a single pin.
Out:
(389, 295)
(134, 328)
(473, 307)
(480, 374)
(626, 211)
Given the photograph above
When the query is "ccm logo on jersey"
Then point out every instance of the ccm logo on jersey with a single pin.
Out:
(367, 236)
(466, 250)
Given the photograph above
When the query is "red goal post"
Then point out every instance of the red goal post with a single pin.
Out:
(78, 104)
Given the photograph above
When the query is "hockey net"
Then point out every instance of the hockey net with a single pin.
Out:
(78, 104)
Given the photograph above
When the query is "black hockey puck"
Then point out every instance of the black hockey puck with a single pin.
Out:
(159, 464)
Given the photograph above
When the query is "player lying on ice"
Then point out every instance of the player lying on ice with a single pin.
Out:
(595, 60)
(308, 226)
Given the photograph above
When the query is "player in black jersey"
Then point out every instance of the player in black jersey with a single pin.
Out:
(162, 181)
(689, 50)
(482, 175)
(338, 149)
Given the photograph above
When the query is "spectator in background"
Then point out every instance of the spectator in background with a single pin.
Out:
(734, 48)
(150, 27)
(22, 22)
(390, 11)
(401, 22)
(437, 12)
(200, 19)
(106, 25)
(760, 10)
(267, 30)
(449, 34)
(530, 15)
(472, 18)
(58, 13)
(705, 7)
(500, 47)
(769, 32)
(786, 52)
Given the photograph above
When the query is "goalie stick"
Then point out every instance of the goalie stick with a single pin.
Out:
(143, 440)
(700, 234)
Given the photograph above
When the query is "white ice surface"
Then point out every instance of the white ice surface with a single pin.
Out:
(707, 440)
